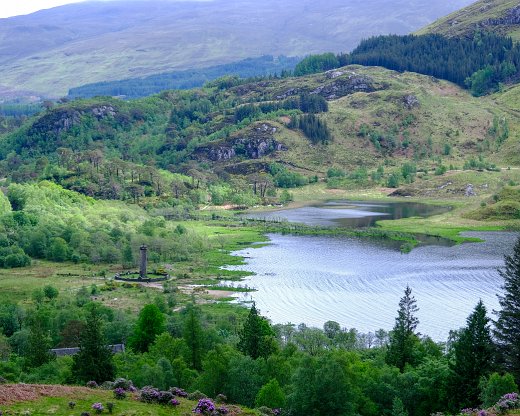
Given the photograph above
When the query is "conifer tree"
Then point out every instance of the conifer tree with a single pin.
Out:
(403, 337)
(192, 334)
(472, 358)
(257, 336)
(94, 359)
(39, 341)
(507, 326)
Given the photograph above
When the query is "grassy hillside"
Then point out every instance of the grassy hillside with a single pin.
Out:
(498, 16)
(54, 50)
(376, 118)
(57, 400)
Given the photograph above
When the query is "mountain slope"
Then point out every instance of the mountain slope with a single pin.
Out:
(498, 16)
(53, 50)
(375, 116)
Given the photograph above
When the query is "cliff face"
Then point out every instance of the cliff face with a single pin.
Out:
(257, 142)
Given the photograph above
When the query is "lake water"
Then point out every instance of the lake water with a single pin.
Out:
(359, 282)
(351, 213)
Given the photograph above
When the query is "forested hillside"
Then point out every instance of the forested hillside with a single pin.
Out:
(482, 64)
(346, 118)
(54, 50)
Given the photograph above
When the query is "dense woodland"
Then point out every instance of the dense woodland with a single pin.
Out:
(299, 369)
(480, 64)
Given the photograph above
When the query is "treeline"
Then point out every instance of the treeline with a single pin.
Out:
(480, 64)
(313, 64)
(306, 103)
(453, 59)
(143, 87)
(19, 109)
(244, 359)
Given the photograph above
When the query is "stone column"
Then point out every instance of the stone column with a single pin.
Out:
(143, 262)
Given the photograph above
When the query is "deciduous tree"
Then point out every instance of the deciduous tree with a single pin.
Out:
(149, 325)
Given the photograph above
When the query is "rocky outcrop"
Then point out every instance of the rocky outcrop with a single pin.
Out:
(256, 143)
(103, 111)
(288, 93)
(470, 190)
(336, 84)
(55, 122)
(411, 101)
(512, 17)
(340, 87)
(61, 120)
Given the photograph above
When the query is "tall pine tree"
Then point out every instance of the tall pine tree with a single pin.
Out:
(257, 336)
(473, 354)
(507, 325)
(403, 337)
(192, 334)
(94, 359)
(38, 351)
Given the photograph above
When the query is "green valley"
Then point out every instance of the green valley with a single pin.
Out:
(98, 195)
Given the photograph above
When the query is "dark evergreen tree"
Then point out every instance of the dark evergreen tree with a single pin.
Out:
(473, 353)
(313, 103)
(315, 129)
(403, 337)
(192, 334)
(149, 324)
(316, 63)
(94, 359)
(257, 336)
(507, 325)
(39, 345)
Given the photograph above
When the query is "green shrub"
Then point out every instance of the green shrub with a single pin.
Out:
(494, 387)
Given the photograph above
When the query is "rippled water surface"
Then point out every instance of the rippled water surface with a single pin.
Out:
(358, 283)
